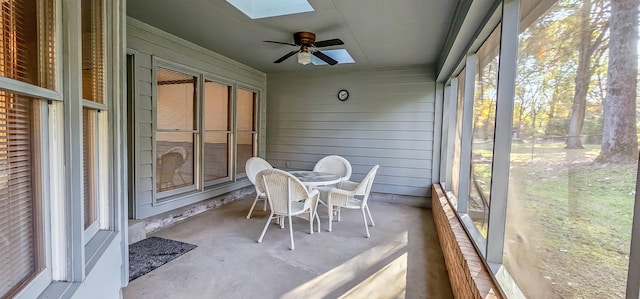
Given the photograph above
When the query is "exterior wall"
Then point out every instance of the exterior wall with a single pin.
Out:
(387, 120)
(147, 42)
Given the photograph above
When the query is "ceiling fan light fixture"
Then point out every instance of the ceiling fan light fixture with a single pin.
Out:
(304, 58)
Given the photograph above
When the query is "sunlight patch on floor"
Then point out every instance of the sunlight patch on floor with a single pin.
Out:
(388, 282)
(351, 272)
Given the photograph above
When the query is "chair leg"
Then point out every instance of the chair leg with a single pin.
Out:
(253, 206)
(370, 218)
(310, 222)
(366, 226)
(265, 227)
(293, 247)
(339, 214)
(317, 219)
(330, 216)
(264, 207)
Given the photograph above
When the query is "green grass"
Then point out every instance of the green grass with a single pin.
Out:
(577, 217)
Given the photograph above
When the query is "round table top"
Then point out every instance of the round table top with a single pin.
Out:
(309, 177)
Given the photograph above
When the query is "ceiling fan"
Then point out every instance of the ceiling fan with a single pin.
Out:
(306, 41)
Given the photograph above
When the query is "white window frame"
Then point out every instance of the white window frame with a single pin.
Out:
(173, 194)
(256, 120)
(177, 194)
(231, 122)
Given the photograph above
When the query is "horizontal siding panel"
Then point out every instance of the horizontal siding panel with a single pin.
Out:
(144, 198)
(145, 88)
(147, 39)
(404, 190)
(144, 73)
(399, 181)
(424, 126)
(306, 161)
(357, 116)
(145, 116)
(144, 102)
(362, 152)
(372, 107)
(145, 130)
(355, 143)
(394, 171)
(387, 120)
(145, 157)
(361, 134)
(144, 184)
(143, 60)
(144, 144)
(144, 171)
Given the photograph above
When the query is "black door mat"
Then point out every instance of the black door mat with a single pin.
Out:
(153, 252)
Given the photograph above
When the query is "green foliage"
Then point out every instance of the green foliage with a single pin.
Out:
(577, 213)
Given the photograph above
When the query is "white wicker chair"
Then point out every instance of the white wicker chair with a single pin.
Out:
(252, 168)
(351, 195)
(288, 197)
(334, 164)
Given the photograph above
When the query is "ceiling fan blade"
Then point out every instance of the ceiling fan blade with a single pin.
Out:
(325, 58)
(282, 43)
(329, 42)
(283, 58)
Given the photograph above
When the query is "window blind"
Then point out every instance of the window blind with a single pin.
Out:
(20, 226)
(27, 55)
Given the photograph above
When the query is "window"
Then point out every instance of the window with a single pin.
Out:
(205, 130)
(176, 129)
(217, 131)
(246, 127)
(484, 115)
(93, 94)
(22, 200)
(569, 216)
(457, 139)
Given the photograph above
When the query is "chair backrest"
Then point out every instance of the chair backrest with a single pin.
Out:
(179, 149)
(365, 186)
(334, 164)
(281, 188)
(169, 164)
(254, 166)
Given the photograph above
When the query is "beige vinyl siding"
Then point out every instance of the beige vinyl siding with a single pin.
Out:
(146, 43)
(387, 120)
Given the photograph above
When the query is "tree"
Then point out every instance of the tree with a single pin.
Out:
(586, 48)
(619, 133)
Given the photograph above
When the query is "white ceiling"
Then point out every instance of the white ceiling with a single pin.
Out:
(377, 33)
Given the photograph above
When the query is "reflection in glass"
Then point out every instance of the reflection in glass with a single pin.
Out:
(245, 149)
(569, 218)
(455, 172)
(174, 161)
(216, 156)
(484, 115)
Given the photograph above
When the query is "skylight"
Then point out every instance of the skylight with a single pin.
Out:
(257, 9)
(340, 55)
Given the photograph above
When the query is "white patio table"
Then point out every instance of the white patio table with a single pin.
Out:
(314, 179)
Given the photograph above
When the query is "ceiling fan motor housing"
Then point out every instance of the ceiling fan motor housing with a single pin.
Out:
(304, 38)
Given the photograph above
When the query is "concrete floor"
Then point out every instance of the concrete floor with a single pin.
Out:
(402, 259)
